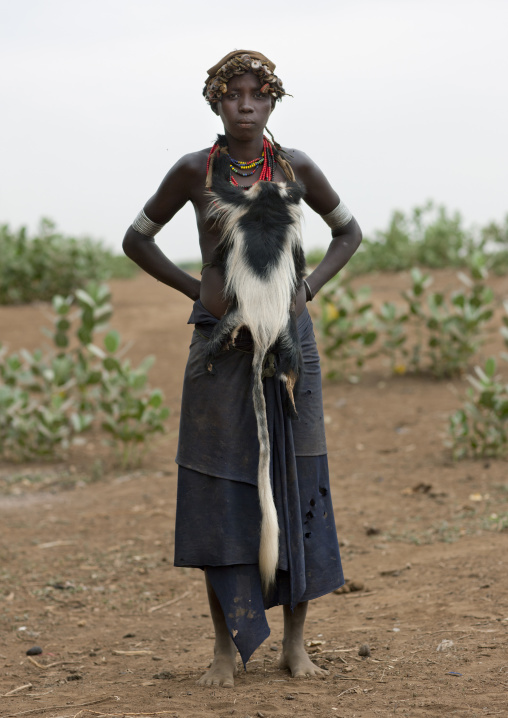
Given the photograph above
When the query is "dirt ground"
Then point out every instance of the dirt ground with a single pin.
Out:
(86, 556)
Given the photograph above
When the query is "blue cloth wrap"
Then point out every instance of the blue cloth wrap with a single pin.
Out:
(218, 513)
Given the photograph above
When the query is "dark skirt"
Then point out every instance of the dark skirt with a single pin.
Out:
(218, 513)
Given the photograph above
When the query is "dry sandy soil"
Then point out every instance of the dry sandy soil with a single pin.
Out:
(86, 560)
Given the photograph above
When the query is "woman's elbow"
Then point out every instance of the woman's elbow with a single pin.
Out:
(126, 244)
(130, 244)
(357, 233)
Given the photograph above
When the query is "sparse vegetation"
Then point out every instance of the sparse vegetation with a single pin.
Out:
(428, 237)
(49, 399)
(480, 427)
(428, 332)
(40, 267)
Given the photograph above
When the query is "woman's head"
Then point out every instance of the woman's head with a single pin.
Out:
(239, 62)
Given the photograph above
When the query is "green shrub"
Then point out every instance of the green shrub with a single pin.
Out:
(391, 321)
(347, 325)
(428, 332)
(428, 236)
(449, 329)
(38, 268)
(48, 399)
(504, 329)
(480, 427)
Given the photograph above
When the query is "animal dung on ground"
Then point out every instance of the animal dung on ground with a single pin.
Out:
(364, 651)
(163, 675)
(74, 676)
(34, 651)
(350, 587)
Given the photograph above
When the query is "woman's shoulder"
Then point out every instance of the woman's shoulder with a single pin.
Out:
(319, 194)
(297, 158)
(304, 167)
(193, 162)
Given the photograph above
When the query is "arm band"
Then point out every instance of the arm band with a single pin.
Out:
(145, 226)
(338, 217)
(308, 291)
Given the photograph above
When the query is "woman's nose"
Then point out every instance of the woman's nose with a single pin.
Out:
(245, 104)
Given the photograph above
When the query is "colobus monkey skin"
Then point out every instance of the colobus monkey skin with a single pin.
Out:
(261, 257)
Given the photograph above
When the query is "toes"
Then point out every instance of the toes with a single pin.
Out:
(207, 680)
(311, 671)
(300, 674)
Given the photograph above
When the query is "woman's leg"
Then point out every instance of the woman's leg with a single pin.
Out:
(294, 656)
(223, 668)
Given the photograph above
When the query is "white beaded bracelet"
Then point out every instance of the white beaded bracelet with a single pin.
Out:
(338, 217)
(145, 226)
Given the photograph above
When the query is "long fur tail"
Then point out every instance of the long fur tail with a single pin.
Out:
(269, 541)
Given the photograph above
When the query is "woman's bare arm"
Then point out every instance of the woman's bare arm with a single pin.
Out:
(171, 196)
(322, 198)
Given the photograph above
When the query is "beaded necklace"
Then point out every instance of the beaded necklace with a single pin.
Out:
(238, 165)
(267, 160)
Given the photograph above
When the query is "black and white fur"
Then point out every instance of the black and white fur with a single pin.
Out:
(261, 256)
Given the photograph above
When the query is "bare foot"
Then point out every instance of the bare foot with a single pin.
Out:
(221, 672)
(223, 668)
(295, 659)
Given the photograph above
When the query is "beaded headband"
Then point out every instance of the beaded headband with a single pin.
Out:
(237, 63)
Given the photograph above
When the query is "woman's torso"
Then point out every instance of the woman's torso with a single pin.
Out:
(212, 284)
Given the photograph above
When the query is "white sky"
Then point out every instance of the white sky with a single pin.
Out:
(398, 101)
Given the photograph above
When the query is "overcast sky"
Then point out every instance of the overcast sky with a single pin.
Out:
(398, 101)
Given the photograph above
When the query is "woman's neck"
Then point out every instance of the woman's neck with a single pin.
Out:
(245, 151)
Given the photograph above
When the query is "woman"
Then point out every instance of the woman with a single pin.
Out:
(219, 509)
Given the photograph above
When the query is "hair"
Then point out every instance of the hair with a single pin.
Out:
(239, 64)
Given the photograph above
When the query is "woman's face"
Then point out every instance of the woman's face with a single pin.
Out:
(244, 109)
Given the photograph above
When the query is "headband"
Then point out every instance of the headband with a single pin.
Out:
(238, 62)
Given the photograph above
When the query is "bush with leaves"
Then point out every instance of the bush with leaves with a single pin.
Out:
(391, 324)
(37, 268)
(429, 332)
(480, 427)
(347, 324)
(494, 242)
(449, 329)
(48, 399)
(428, 236)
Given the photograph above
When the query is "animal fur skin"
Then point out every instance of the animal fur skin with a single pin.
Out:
(261, 256)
